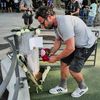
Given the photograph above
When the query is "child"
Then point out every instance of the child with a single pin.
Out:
(92, 13)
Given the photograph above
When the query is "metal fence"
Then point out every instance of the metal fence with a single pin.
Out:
(13, 67)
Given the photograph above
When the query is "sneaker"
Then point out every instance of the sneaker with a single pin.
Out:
(58, 90)
(79, 92)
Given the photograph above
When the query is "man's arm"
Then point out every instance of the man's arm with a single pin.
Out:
(56, 46)
(70, 47)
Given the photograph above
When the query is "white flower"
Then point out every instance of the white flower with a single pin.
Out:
(38, 31)
(22, 31)
(27, 30)
(42, 52)
(18, 33)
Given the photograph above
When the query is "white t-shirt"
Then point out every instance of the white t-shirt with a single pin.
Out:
(69, 26)
(93, 9)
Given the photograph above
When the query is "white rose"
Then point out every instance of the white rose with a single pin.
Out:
(38, 31)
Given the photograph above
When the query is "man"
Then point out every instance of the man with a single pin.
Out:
(27, 7)
(79, 42)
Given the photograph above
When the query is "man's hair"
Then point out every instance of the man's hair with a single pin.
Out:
(44, 11)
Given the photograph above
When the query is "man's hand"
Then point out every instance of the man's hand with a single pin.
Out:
(53, 59)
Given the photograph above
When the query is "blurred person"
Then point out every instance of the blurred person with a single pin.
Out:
(92, 13)
(16, 5)
(84, 10)
(37, 3)
(50, 3)
(27, 7)
(72, 8)
(9, 5)
(45, 2)
(97, 19)
(3, 5)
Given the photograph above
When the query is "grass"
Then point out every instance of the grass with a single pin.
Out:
(92, 78)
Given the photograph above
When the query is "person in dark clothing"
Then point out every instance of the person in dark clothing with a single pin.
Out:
(37, 3)
(27, 7)
(84, 10)
(72, 7)
(3, 5)
(9, 5)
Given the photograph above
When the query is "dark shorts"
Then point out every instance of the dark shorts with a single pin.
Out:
(27, 18)
(77, 59)
(28, 21)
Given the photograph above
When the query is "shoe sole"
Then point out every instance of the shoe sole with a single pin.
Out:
(80, 95)
(58, 93)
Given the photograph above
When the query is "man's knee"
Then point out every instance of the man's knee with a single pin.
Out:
(64, 67)
(76, 69)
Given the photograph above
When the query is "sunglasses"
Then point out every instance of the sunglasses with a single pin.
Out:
(46, 24)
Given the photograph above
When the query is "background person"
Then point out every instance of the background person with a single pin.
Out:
(92, 13)
(72, 8)
(27, 7)
(84, 10)
(9, 5)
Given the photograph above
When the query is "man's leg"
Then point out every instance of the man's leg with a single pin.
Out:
(82, 87)
(79, 79)
(61, 88)
(75, 68)
(64, 74)
(77, 65)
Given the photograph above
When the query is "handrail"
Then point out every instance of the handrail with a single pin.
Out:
(6, 81)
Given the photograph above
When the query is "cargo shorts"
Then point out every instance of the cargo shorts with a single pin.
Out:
(77, 59)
